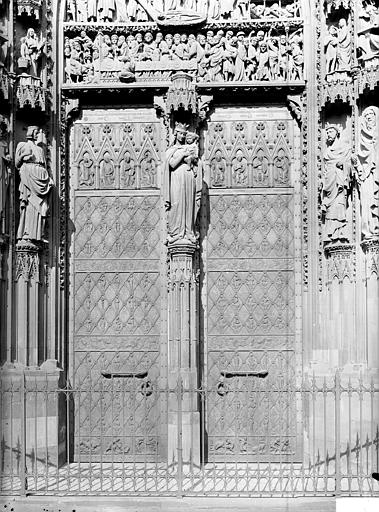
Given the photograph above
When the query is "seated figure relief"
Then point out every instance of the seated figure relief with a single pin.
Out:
(213, 56)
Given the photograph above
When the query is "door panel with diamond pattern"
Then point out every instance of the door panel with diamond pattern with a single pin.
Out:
(250, 291)
(116, 290)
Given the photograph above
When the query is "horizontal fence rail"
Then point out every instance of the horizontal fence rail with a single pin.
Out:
(125, 435)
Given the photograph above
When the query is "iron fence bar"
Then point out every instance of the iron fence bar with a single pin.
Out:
(337, 432)
(348, 450)
(360, 478)
(325, 454)
(180, 436)
(373, 469)
(23, 468)
(68, 437)
(46, 435)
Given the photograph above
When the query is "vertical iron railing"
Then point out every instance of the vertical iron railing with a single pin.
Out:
(115, 442)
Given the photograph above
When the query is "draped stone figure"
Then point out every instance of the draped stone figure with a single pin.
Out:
(182, 185)
(4, 173)
(35, 187)
(335, 183)
(366, 164)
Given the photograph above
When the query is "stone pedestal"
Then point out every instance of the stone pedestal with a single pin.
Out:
(338, 315)
(28, 266)
(184, 421)
(371, 250)
(33, 419)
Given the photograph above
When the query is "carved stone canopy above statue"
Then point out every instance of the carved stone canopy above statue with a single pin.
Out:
(182, 93)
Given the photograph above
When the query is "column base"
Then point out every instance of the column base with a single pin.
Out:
(190, 434)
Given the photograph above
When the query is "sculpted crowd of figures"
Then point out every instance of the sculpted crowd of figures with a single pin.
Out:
(343, 170)
(147, 10)
(216, 55)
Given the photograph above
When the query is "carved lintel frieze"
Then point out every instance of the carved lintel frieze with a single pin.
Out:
(30, 93)
(338, 87)
(371, 249)
(27, 261)
(29, 8)
(340, 262)
(182, 94)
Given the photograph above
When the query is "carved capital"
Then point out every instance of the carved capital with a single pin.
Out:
(27, 261)
(337, 4)
(371, 250)
(181, 256)
(340, 262)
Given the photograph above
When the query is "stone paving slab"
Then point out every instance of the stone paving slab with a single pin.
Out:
(110, 504)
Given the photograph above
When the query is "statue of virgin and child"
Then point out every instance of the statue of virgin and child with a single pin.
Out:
(183, 181)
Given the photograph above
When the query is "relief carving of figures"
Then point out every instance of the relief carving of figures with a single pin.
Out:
(107, 171)
(127, 171)
(218, 169)
(239, 169)
(35, 187)
(86, 171)
(148, 170)
(231, 56)
(368, 30)
(335, 185)
(366, 164)
(31, 50)
(182, 185)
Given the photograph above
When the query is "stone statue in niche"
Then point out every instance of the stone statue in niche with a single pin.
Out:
(335, 185)
(127, 171)
(107, 171)
(182, 185)
(260, 169)
(31, 50)
(148, 170)
(218, 170)
(35, 187)
(239, 169)
(86, 171)
(337, 47)
(281, 168)
(366, 164)
(4, 173)
(368, 30)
